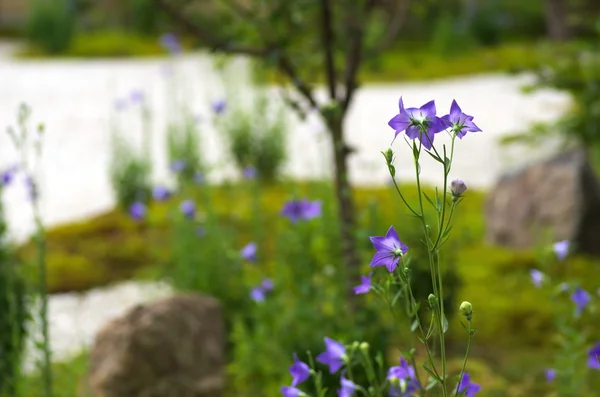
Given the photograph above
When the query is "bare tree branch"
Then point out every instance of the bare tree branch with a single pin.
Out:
(328, 43)
(400, 13)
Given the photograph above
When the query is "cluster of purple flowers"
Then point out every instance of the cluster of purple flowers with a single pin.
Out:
(258, 293)
(301, 210)
(423, 123)
(171, 43)
(8, 175)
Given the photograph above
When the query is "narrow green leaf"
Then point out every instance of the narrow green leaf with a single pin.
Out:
(445, 324)
(433, 375)
(438, 202)
(430, 201)
(435, 157)
(447, 232)
(431, 385)
(396, 297)
(414, 326)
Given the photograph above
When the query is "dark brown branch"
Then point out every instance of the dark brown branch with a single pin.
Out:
(328, 47)
(395, 24)
(283, 63)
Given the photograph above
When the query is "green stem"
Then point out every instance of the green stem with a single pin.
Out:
(403, 199)
(464, 365)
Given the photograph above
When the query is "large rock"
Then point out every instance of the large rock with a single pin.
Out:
(170, 348)
(557, 199)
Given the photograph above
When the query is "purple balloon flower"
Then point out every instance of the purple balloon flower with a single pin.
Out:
(219, 106)
(561, 249)
(170, 42)
(137, 210)
(257, 294)
(581, 298)
(267, 285)
(188, 209)
(290, 391)
(249, 252)
(296, 210)
(459, 122)
(300, 371)
(160, 193)
(419, 123)
(537, 277)
(365, 285)
(177, 166)
(334, 355)
(594, 356)
(389, 249)
(468, 387)
(136, 96)
(550, 375)
(249, 173)
(347, 388)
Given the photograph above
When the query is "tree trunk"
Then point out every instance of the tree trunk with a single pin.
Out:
(556, 19)
(345, 202)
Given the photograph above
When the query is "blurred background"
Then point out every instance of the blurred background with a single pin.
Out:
(153, 145)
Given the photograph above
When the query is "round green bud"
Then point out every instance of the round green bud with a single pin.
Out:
(466, 309)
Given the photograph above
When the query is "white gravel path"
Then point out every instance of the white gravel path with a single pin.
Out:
(74, 99)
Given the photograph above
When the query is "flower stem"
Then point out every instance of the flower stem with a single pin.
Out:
(464, 365)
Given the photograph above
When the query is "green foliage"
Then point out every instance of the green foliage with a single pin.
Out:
(256, 137)
(69, 379)
(129, 173)
(183, 144)
(50, 25)
(447, 34)
(146, 19)
(13, 315)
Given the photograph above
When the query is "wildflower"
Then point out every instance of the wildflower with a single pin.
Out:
(177, 166)
(468, 387)
(136, 96)
(419, 123)
(170, 42)
(457, 187)
(249, 252)
(199, 178)
(291, 391)
(160, 193)
(459, 122)
(537, 277)
(188, 208)
(249, 173)
(594, 356)
(8, 175)
(389, 249)
(402, 378)
(347, 387)
(267, 284)
(550, 375)
(561, 249)
(581, 298)
(257, 294)
(137, 210)
(219, 106)
(32, 188)
(296, 210)
(300, 371)
(466, 309)
(365, 285)
(334, 355)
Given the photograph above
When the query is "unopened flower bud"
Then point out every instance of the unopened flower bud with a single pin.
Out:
(457, 187)
(394, 381)
(466, 309)
(389, 156)
(364, 346)
(355, 345)
(432, 300)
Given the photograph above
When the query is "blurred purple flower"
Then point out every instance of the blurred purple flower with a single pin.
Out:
(414, 121)
(347, 387)
(405, 374)
(8, 175)
(31, 186)
(219, 106)
(459, 122)
(267, 284)
(594, 356)
(291, 391)
(257, 294)
(300, 371)
(137, 210)
(561, 249)
(334, 355)
(249, 173)
(550, 375)
(296, 210)
(468, 387)
(136, 96)
(177, 166)
(389, 249)
(537, 277)
(160, 193)
(199, 178)
(249, 252)
(365, 285)
(171, 43)
(188, 209)
(581, 298)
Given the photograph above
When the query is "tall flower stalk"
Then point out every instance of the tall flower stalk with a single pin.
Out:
(21, 142)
